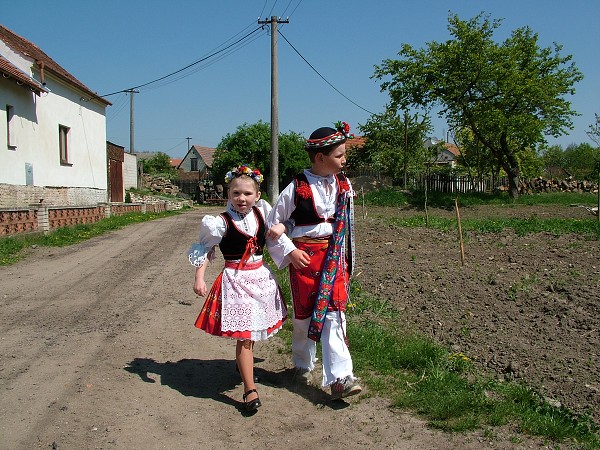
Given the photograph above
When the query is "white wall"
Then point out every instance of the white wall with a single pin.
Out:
(130, 171)
(35, 131)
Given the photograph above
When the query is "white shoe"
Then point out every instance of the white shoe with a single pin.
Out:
(345, 387)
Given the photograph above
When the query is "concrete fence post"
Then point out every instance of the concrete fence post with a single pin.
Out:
(42, 217)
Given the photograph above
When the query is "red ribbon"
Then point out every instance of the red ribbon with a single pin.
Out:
(251, 248)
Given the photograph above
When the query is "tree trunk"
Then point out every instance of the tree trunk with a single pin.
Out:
(511, 166)
(513, 181)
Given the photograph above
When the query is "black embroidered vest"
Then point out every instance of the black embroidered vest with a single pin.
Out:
(306, 211)
(234, 241)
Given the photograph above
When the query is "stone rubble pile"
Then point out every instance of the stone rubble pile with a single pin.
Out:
(160, 185)
(539, 185)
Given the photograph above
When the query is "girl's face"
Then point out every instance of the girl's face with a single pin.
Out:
(243, 194)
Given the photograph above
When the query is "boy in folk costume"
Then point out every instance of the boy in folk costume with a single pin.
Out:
(316, 208)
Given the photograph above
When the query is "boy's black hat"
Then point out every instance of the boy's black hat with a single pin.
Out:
(325, 137)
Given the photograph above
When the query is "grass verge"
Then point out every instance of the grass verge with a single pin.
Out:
(13, 248)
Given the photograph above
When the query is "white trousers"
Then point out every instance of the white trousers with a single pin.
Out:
(337, 362)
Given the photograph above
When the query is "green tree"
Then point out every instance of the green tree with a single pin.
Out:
(553, 161)
(475, 157)
(594, 131)
(251, 144)
(394, 144)
(510, 95)
(160, 164)
(579, 160)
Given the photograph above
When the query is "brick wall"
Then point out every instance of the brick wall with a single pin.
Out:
(15, 196)
(43, 218)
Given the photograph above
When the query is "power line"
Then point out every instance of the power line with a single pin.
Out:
(324, 79)
(208, 63)
(263, 8)
(188, 66)
(272, 8)
(294, 10)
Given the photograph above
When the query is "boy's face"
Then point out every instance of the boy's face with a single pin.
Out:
(335, 161)
(243, 194)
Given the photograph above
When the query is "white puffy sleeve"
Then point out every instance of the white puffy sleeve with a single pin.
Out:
(212, 231)
(281, 212)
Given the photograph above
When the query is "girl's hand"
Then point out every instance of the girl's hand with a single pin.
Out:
(200, 287)
(299, 259)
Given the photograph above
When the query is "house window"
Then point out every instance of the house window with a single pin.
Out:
(194, 164)
(63, 142)
(10, 127)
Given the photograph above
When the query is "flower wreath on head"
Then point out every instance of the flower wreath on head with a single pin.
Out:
(243, 170)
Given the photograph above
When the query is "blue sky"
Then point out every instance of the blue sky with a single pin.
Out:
(114, 45)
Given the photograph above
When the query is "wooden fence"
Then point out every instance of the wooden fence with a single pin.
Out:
(454, 183)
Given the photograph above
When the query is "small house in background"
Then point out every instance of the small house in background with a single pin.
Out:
(198, 161)
(447, 153)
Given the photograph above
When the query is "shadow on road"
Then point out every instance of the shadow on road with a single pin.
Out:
(192, 377)
(212, 378)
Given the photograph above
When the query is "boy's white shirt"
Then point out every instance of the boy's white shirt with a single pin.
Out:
(282, 211)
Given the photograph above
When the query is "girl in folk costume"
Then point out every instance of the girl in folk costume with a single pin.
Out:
(316, 209)
(245, 302)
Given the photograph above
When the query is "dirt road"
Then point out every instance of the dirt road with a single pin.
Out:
(98, 351)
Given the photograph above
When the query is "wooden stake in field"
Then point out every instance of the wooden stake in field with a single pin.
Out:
(460, 235)
(362, 192)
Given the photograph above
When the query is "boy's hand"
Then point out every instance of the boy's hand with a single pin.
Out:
(276, 231)
(299, 259)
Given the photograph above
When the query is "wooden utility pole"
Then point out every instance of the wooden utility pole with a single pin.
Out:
(131, 138)
(274, 179)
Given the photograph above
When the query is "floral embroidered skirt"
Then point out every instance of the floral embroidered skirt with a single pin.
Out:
(243, 304)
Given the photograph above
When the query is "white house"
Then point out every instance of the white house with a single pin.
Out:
(52, 131)
(447, 153)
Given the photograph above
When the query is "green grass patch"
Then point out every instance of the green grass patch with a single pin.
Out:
(12, 248)
(443, 387)
(586, 227)
(397, 197)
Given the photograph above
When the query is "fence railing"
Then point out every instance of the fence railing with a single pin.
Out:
(455, 183)
(439, 182)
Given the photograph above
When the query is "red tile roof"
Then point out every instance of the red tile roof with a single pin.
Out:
(30, 50)
(176, 161)
(452, 148)
(9, 70)
(356, 142)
